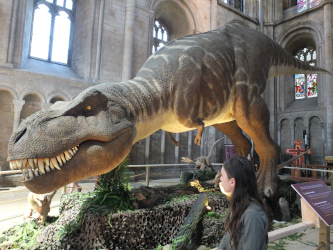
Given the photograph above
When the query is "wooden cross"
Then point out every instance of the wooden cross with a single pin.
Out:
(295, 152)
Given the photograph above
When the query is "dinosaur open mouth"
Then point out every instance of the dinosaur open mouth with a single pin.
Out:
(32, 168)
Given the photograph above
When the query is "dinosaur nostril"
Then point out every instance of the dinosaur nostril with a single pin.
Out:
(20, 135)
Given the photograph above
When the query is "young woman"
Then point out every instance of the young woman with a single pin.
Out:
(246, 223)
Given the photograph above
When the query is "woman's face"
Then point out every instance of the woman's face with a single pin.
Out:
(227, 185)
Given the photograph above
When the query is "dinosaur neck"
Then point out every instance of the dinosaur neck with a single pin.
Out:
(143, 100)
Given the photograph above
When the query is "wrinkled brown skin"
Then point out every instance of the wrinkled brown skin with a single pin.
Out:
(214, 78)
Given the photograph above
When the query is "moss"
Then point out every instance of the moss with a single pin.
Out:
(23, 236)
(204, 175)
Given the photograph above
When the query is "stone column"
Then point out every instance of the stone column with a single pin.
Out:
(162, 146)
(328, 79)
(18, 105)
(147, 146)
(278, 128)
(11, 43)
(293, 125)
(99, 40)
(189, 143)
(46, 105)
(213, 14)
(128, 40)
(177, 149)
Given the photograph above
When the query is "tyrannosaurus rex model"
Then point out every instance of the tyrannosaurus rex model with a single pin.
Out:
(214, 78)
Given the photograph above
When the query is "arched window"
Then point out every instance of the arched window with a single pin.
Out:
(306, 85)
(238, 4)
(161, 35)
(51, 30)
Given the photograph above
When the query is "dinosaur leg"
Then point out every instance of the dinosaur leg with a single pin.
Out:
(198, 124)
(242, 144)
(253, 118)
(173, 141)
(197, 139)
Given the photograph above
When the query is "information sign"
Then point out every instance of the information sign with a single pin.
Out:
(320, 198)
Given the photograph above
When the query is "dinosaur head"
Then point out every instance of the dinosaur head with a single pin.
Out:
(87, 136)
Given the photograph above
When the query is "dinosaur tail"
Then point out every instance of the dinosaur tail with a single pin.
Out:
(211, 149)
(284, 63)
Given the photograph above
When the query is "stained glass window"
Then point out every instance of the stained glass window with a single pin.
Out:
(306, 85)
(300, 86)
(302, 5)
(160, 34)
(51, 30)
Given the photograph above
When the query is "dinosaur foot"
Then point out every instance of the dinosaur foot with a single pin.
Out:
(197, 140)
(267, 177)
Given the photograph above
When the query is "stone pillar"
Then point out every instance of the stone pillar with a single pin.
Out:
(46, 105)
(278, 128)
(147, 146)
(99, 40)
(18, 105)
(293, 125)
(177, 149)
(162, 146)
(189, 144)
(328, 79)
(11, 43)
(129, 40)
(213, 14)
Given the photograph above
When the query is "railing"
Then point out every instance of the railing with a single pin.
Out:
(274, 235)
(147, 166)
(301, 8)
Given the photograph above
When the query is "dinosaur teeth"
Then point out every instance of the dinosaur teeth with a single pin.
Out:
(47, 161)
(38, 166)
(63, 158)
(67, 155)
(60, 160)
(30, 174)
(41, 166)
(55, 163)
(31, 163)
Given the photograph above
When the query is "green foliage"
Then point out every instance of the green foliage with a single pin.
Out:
(111, 195)
(112, 192)
(204, 175)
(21, 236)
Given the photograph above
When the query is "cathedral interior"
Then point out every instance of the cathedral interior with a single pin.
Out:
(51, 50)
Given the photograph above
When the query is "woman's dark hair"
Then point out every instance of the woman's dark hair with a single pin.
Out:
(245, 191)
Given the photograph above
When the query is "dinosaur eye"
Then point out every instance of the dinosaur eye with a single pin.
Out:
(88, 107)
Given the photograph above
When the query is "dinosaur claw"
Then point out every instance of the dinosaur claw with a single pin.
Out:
(268, 192)
(197, 140)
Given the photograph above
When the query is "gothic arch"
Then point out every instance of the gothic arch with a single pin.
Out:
(33, 92)
(10, 90)
(179, 16)
(58, 95)
(297, 32)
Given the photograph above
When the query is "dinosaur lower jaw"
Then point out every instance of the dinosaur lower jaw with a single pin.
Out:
(32, 168)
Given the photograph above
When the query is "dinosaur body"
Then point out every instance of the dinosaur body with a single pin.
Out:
(215, 78)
